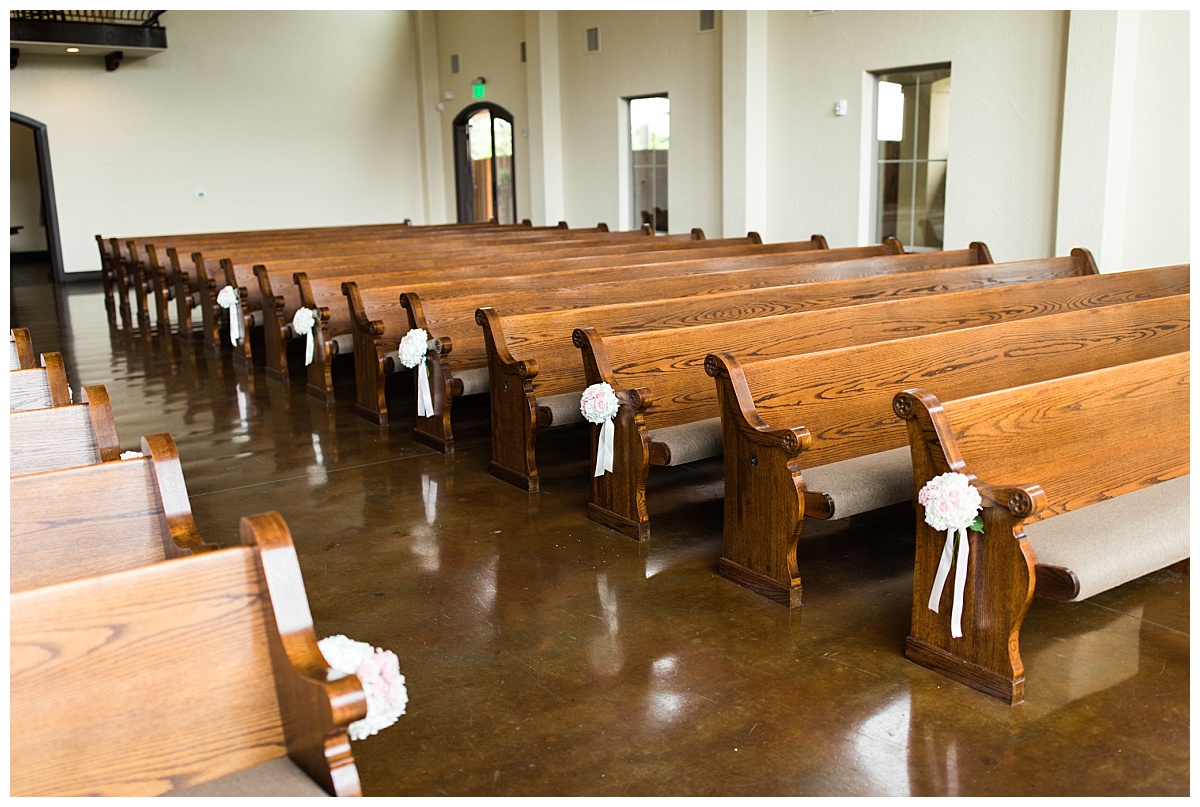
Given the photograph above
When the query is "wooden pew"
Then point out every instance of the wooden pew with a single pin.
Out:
(21, 355)
(198, 675)
(673, 416)
(236, 268)
(40, 387)
(63, 436)
(1084, 481)
(126, 262)
(450, 319)
(142, 267)
(95, 519)
(540, 380)
(276, 303)
(811, 435)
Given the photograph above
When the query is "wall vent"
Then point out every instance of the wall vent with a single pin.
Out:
(593, 40)
(453, 62)
(708, 20)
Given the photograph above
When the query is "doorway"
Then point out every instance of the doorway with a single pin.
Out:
(483, 164)
(47, 215)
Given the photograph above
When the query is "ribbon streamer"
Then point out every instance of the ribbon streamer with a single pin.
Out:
(960, 578)
(424, 396)
(235, 323)
(604, 449)
(308, 348)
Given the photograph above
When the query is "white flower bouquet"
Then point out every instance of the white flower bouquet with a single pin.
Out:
(953, 505)
(599, 405)
(379, 672)
(302, 325)
(413, 348)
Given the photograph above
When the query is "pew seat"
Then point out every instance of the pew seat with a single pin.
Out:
(198, 673)
(1084, 482)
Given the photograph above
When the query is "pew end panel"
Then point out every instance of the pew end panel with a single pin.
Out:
(242, 357)
(618, 496)
(276, 327)
(183, 294)
(159, 288)
(206, 301)
(317, 703)
(433, 430)
(370, 372)
(765, 494)
(1001, 566)
(138, 283)
(513, 407)
(319, 373)
(106, 273)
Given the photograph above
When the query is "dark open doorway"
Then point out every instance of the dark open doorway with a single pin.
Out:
(483, 164)
(46, 181)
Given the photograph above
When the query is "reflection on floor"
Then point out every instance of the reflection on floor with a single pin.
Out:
(546, 655)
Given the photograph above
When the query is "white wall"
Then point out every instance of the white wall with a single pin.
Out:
(1006, 100)
(286, 119)
(1157, 205)
(24, 191)
(641, 53)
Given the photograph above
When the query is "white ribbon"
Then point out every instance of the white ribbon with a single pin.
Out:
(235, 323)
(303, 323)
(230, 299)
(960, 578)
(424, 396)
(604, 449)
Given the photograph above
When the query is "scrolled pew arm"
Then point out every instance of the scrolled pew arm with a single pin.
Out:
(318, 703)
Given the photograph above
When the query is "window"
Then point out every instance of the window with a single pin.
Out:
(912, 133)
(649, 138)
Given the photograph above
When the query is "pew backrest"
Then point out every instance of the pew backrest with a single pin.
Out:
(94, 519)
(40, 387)
(63, 436)
(153, 680)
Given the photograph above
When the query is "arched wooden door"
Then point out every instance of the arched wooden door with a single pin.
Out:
(483, 164)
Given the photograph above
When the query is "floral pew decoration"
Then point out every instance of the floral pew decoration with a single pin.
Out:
(229, 299)
(302, 325)
(599, 405)
(379, 672)
(413, 352)
(953, 505)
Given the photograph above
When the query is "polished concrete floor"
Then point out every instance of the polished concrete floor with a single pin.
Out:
(548, 656)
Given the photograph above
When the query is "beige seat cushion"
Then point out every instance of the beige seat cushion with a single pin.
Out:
(279, 777)
(475, 382)
(1117, 540)
(690, 442)
(564, 407)
(864, 483)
